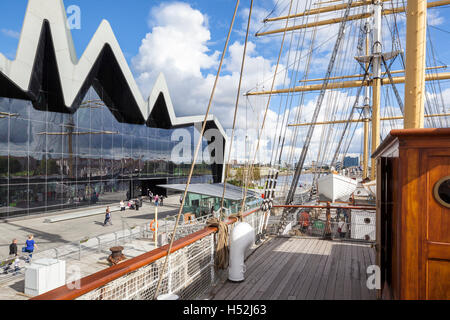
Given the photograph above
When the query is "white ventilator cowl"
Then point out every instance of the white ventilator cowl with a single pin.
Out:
(241, 239)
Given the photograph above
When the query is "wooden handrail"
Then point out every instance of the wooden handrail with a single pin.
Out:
(103, 277)
(328, 207)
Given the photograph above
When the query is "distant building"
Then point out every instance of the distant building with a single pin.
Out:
(351, 162)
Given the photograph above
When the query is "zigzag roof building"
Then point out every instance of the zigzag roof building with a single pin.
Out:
(47, 72)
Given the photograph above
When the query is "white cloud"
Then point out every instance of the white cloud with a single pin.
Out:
(177, 45)
(11, 33)
(434, 19)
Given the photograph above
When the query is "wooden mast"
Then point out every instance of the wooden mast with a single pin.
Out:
(416, 24)
(415, 70)
(366, 110)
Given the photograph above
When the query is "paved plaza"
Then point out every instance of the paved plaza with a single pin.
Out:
(51, 235)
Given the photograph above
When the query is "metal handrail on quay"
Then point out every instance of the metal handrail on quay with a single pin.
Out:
(102, 278)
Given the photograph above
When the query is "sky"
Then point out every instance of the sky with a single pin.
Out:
(184, 40)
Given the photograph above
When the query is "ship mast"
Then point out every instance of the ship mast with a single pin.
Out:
(366, 108)
(415, 70)
(376, 82)
(416, 24)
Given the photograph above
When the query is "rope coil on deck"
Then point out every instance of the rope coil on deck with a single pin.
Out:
(221, 257)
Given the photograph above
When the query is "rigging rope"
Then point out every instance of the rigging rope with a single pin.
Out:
(266, 111)
(199, 144)
(227, 163)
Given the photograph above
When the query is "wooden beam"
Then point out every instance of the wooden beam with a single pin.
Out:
(361, 75)
(315, 24)
(416, 41)
(363, 120)
(353, 17)
(350, 84)
(333, 8)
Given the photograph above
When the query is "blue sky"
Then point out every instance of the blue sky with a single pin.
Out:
(190, 58)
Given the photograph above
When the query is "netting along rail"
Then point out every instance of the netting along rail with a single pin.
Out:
(190, 273)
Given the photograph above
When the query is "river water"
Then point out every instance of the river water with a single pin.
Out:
(306, 178)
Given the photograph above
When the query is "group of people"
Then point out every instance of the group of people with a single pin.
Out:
(156, 199)
(132, 204)
(14, 258)
(305, 222)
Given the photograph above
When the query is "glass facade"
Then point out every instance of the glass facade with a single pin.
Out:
(50, 161)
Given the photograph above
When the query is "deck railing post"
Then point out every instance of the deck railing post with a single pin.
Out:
(99, 244)
(212, 261)
(169, 274)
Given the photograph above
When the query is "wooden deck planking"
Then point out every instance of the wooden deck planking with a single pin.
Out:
(296, 269)
(356, 274)
(340, 273)
(297, 256)
(263, 252)
(280, 279)
(268, 274)
(259, 256)
(301, 292)
(347, 293)
(365, 294)
(368, 262)
(287, 292)
(322, 282)
(286, 279)
(258, 271)
(335, 256)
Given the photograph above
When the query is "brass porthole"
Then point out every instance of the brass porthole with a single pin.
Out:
(441, 191)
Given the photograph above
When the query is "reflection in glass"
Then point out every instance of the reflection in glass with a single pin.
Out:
(51, 161)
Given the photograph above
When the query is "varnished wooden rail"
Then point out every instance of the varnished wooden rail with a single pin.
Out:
(103, 277)
(327, 207)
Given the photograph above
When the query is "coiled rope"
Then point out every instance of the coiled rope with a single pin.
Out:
(221, 258)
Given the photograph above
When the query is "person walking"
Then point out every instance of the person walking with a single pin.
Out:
(342, 228)
(108, 217)
(13, 248)
(162, 201)
(156, 200)
(13, 256)
(122, 205)
(30, 245)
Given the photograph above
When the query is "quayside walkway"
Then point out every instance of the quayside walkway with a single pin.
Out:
(304, 269)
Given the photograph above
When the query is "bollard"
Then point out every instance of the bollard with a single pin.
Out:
(99, 245)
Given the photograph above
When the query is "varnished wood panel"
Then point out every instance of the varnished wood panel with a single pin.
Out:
(411, 201)
(438, 280)
(438, 224)
(420, 225)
